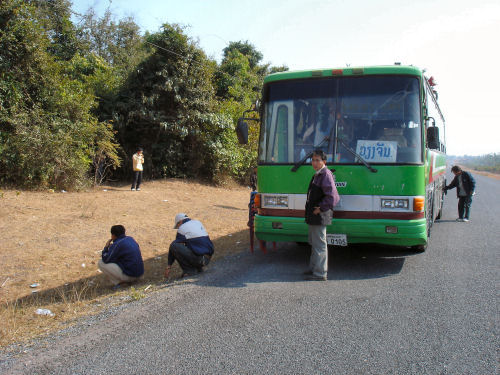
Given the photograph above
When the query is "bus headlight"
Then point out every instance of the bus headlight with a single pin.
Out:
(394, 203)
(275, 201)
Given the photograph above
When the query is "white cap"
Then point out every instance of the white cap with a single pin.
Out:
(179, 217)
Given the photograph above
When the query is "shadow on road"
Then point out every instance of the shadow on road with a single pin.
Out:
(365, 262)
(287, 263)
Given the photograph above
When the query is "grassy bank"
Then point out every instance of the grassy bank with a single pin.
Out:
(51, 243)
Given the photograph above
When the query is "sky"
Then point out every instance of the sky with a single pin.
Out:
(456, 41)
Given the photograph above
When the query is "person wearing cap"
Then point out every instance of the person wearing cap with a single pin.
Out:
(192, 247)
(137, 162)
(121, 258)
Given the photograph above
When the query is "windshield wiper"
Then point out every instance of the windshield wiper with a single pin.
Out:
(357, 155)
(303, 160)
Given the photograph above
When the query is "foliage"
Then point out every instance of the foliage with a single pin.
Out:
(105, 157)
(113, 50)
(246, 49)
(76, 99)
(238, 83)
(119, 44)
(488, 163)
(55, 17)
(48, 135)
(166, 103)
(239, 76)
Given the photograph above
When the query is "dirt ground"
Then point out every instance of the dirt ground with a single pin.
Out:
(54, 239)
(496, 176)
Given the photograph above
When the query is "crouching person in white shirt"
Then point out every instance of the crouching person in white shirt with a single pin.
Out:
(192, 247)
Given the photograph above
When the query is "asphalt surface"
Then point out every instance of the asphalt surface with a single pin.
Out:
(382, 311)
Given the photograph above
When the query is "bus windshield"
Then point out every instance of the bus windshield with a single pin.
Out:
(375, 117)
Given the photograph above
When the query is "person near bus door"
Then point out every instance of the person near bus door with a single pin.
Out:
(322, 196)
(466, 186)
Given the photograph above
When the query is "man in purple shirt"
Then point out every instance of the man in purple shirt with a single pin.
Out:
(322, 196)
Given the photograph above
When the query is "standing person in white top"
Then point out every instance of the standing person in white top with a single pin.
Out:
(137, 162)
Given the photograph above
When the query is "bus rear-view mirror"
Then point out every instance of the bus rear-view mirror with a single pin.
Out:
(433, 137)
(242, 131)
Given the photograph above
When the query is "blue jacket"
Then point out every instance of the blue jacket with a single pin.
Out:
(125, 252)
(196, 238)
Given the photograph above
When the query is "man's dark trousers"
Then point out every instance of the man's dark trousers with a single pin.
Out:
(137, 179)
(188, 260)
(464, 204)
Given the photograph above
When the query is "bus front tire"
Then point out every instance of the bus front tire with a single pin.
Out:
(303, 244)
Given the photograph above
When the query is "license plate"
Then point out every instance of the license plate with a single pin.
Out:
(336, 239)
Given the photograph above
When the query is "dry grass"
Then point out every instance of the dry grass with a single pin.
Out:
(55, 239)
(496, 176)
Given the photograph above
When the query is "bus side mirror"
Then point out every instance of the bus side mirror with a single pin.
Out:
(242, 131)
(433, 138)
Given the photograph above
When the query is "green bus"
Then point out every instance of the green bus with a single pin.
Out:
(384, 136)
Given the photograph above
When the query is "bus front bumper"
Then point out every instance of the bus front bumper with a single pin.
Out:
(290, 229)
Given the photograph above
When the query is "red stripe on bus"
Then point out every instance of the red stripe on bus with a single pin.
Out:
(431, 169)
(346, 214)
(432, 178)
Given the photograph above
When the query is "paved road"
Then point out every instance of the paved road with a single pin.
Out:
(382, 311)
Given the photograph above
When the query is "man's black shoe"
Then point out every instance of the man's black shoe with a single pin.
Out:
(308, 272)
(315, 278)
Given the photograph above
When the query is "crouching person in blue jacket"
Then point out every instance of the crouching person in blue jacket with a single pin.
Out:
(192, 247)
(121, 259)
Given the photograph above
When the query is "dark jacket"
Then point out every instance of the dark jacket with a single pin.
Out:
(125, 252)
(468, 182)
(321, 193)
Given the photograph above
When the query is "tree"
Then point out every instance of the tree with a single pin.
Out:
(48, 135)
(246, 49)
(55, 17)
(238, 82)
(167, 107)
(120, 44)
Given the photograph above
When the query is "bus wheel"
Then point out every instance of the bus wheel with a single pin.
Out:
(440, 207)
(429, 221)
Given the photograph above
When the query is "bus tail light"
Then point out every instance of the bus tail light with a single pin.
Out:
(418, 204)
(256, 202)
